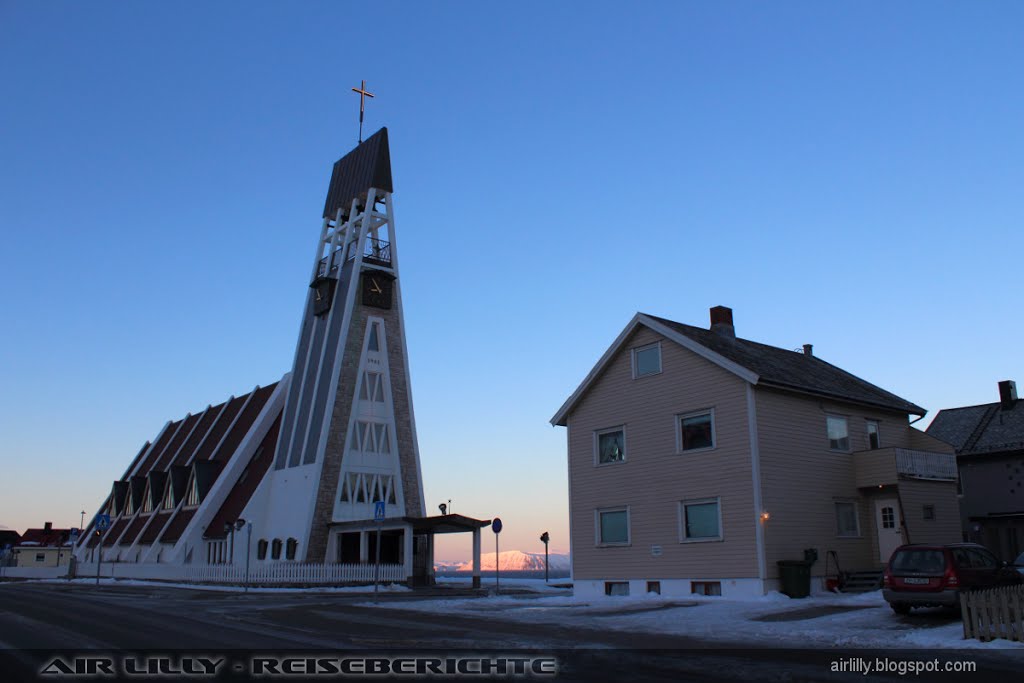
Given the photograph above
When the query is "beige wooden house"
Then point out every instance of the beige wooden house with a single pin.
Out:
(698, 460)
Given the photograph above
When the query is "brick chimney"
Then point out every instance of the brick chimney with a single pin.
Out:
(48, 526)
(808, 349)
(721, 321)
(1007, 394)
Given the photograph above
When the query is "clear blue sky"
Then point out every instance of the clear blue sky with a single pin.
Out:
(846, 174)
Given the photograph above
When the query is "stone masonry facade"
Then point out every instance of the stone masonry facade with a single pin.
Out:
(408, 455)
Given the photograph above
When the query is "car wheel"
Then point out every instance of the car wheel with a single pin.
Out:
(900, 608)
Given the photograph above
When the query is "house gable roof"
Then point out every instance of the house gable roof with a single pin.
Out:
(755, 363)
(986, 428)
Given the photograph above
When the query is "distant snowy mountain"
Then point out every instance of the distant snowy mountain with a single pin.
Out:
(510, 561)
(447, 566)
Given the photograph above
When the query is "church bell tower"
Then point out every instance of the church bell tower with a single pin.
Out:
(348, 436)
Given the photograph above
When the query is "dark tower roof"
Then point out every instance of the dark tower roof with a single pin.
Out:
(368, 165)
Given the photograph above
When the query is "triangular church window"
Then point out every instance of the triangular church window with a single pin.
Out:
(193, 492)
(147, 500)
(360, 490)
(345, 497)
(168, 503)
(374, 343)
(391, 491)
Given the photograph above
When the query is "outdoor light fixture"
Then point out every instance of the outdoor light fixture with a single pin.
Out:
(443, 508)
(765, 516)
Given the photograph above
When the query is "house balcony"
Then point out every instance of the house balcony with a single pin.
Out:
(886, 466)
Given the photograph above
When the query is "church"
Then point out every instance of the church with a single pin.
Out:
(321, 468)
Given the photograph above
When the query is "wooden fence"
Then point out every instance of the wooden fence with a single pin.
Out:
(994, 613)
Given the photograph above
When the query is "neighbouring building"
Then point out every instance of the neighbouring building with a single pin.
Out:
(46, 547)
(298, 471)
(989, 443)
(8, 538)
(698, 460)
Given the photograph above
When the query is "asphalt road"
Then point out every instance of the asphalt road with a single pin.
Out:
(38, 620)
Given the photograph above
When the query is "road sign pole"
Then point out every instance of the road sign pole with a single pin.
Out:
(378, 516)
(496, 528)
(376, 570)
(102, 523)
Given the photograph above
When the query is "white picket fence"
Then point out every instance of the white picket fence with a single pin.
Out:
(294, 573)
(260, 573)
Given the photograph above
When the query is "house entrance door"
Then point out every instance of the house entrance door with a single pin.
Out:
(888, 526)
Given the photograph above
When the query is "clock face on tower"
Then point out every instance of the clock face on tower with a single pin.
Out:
(377, 289)
(323, 294)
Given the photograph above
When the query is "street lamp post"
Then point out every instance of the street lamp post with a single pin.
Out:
(229, 528)
(248, 547)
(544, 538)
(99, 554)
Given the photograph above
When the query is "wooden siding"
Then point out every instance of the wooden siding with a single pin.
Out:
(926, 442)
(875, 468)
(945, 528)
(654, 477)
(802, 478)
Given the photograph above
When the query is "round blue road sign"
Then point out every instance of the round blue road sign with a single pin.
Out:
(496, 525)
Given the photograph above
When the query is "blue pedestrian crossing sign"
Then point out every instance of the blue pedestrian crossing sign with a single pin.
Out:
(378, 511)
(102, 522)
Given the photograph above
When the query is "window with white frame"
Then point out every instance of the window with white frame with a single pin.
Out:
(610, 445)
(613, 526)
(874, 440)
(700, 520)
(147, 500)
(371, 388)
(371, 437)
(696, 431)
(619, 588)
(647, 360)
(838, 432)
(847, 522)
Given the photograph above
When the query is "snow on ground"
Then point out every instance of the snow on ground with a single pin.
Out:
(536, 585)
(384, 588)
(827, 619)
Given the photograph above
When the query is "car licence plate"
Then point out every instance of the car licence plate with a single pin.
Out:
(915, 580)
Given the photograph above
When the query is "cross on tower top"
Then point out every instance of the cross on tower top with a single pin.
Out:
(363, 94)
